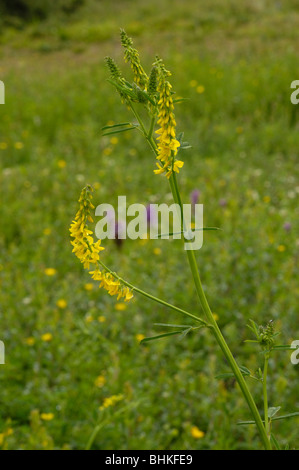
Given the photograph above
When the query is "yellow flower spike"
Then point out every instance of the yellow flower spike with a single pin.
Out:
(111, 401)
(167, 143)
(88, 251)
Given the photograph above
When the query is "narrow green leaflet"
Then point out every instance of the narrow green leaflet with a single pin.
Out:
(161, 235)
(164, 335)
(185, 146)
(277, 418)
(180, 100)
(112, 126)
(245, 372)
(120, 130)
(171, 325)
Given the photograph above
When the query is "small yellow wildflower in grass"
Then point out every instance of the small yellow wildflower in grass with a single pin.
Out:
(197, 433)
(111, 401)
(96, 185)
(193, 83)
(139, 337)
(113, 140)
(50, 272)
(25, 134)
(157, 251)
(18, 145)
(47, 416)
(5, 434)
(88, 286)
(267, 199)
(216, 317)
(120, 306)
(107, 151)
(100, 381)
(47, 231)
(3, 145)
(133, 152)
(30, 341)
(281, 248)
(61, 303)
(101, 319)
(61, 163)
(200, 89)
(89, 318)
(47, 337)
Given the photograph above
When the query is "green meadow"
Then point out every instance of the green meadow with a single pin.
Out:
(74, 362)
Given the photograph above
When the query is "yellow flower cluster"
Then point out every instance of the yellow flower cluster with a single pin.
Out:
(88, 251)
(167, 143)
(84, 247)
(111, 401)
(112, 285)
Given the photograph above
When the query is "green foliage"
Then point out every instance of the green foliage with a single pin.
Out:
(33, 9)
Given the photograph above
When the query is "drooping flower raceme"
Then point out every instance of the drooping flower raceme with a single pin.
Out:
(88, 251)
(84, 247)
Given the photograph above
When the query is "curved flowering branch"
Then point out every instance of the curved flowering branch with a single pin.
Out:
(88, 251)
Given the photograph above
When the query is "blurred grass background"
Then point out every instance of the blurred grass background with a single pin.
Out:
(69, 346)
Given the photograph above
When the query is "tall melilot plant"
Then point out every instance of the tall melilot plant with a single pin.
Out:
(154, 93)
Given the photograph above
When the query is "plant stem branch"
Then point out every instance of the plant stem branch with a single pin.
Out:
(265, 394)
(218, 335)
(155, 299)
(206, 308)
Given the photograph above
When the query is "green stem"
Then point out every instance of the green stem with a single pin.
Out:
(206, 308)
(218, 335)
(155, 299)
(265, 394)
(151, 130)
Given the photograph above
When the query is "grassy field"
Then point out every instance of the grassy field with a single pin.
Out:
(69, 346)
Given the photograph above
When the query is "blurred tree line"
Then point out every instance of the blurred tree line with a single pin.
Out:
(36, 9)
